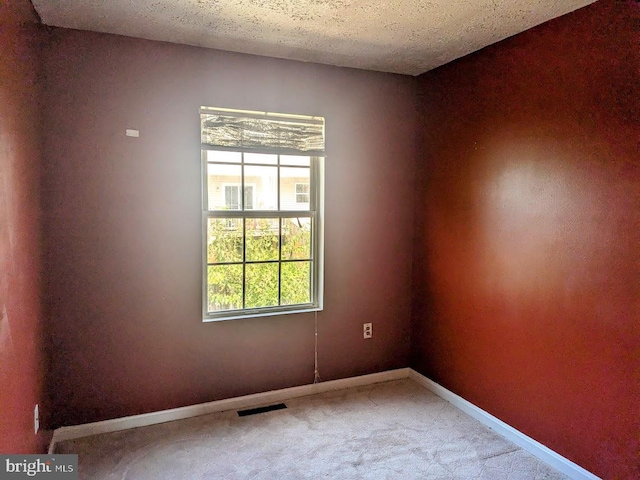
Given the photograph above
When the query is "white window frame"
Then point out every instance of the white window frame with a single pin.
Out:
(315, 213)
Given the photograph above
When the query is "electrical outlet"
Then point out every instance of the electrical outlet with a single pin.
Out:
(367, 330)
(36, 419)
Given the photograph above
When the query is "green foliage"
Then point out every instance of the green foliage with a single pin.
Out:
(295, 275)
(262, 285)
(225, 244)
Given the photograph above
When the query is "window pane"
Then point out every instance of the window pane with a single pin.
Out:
(289, 198)
(224, 287)
(230, 157)
(296, 283)
(261, 158)
(262, 285)
(224, 240)
(295, 160)
(223, 188)
(264, 181)
(296, 238)
(262, 239)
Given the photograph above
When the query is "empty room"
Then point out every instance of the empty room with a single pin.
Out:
(293, 239)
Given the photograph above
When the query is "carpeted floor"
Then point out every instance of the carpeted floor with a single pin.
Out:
(392, 430)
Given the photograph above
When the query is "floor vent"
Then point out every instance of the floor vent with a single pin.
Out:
(255, 411)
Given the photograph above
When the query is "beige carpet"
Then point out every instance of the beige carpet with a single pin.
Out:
(392, 430)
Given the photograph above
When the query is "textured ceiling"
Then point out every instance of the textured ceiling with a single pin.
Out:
(400, 36)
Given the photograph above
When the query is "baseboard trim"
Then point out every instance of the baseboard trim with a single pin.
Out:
(557, 461)
(236, 403)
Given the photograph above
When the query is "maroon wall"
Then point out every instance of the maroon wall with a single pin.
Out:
(123, 225)
(526, 283)
(21, 359)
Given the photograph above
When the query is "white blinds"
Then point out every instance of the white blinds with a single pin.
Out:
(256, 131)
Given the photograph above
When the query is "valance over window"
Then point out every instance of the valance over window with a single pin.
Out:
(265, 132)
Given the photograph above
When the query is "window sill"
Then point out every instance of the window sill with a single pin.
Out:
(245, 315)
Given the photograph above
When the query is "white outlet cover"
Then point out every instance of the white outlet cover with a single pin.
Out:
(367, 330)
(132, 133)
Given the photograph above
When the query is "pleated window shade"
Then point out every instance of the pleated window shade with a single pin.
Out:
(255, 131)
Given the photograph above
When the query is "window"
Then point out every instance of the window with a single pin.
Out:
(262, 213)
(302, 193)
(232, 197)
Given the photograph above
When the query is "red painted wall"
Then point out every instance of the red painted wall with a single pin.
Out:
(21, 359)
(527, 271)
(123, 225)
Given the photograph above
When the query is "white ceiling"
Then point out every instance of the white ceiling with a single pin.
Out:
(399, 36)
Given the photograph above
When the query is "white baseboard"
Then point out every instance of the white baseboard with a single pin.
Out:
(545, 454)
(236, 403)
(557, 461)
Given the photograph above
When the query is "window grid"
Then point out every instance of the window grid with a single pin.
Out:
(269, 214)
